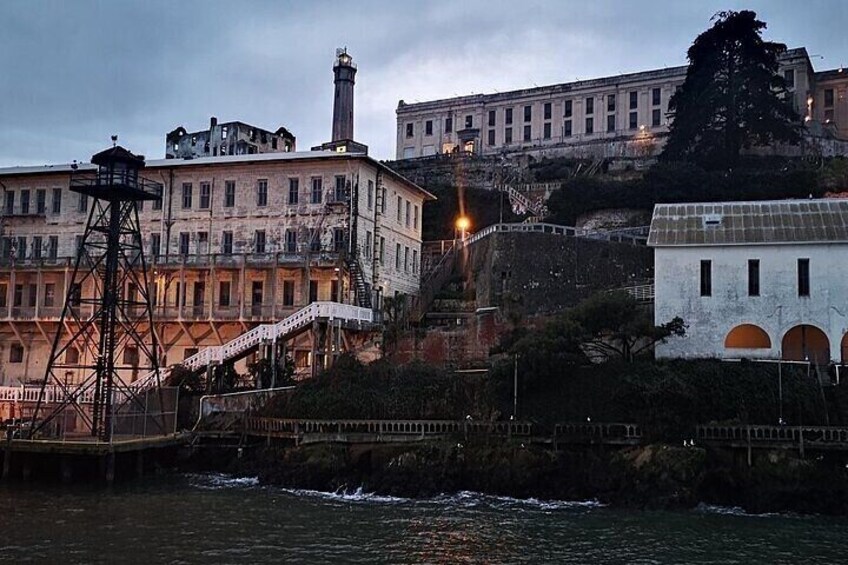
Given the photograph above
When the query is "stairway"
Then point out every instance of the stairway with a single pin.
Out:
(363, 290)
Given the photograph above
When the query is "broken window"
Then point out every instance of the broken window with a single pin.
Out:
(16, 353)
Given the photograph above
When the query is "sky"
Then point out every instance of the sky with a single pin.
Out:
(73, 73)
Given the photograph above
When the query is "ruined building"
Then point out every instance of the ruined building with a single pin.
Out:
(236, 241)
(231, 138)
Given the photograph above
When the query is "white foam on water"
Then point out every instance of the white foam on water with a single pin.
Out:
(344, 495)
(471, 499)
(738, 511)
(214, 481)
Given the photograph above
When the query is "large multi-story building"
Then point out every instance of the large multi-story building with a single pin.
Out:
(619, 116)
(231, 138)
(236, 241)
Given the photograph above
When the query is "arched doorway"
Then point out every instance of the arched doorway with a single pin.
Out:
(845, 349)
(806, 343)
(747, 336)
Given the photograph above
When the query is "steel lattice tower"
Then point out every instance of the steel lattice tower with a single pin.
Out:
(105, 332)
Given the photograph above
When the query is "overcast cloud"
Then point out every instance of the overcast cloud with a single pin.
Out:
(74, 73)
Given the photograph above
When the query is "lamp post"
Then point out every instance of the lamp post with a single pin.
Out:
(462, 224)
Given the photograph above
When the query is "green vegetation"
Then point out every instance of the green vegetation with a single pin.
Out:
(732, 98)
(754, 179)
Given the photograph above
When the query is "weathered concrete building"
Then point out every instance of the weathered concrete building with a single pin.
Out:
(237, 241)
(753, 279)
(231, 138)
(619, 116)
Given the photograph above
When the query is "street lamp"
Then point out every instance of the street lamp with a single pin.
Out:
(462, 224)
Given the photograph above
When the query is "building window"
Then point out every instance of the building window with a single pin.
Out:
(40, 201)
(590, 106)
(508, 136)
(406, 259)
(370, 197)
(382, 250)
(53, 247)
(187, 195)
(291, 241)
(259, 241)
(399, 209)
(428, 127)
(157, 204)
(10, 203)
(205, 195)
(610, 102)
(288, 293)
(415, 261)
(547, 110)
(508, 116)
(224, 132)
(526, 133)
(590, 126)
(294, 188)
(338, 239)
(528, 113)
(339, 195)
(397, 257)
(314, 240)
(828, 103)
(83, 203)
(316, 190)
(262, 192)
(706, 278)
(656, 96)
(633, 122)
(568, 109)
(22, 247)
(313, 291)
(184, 243)
(415, 217)
(155, 244)
(369, 239)
(491, 137)
(566, 128)
(383, 201)
(18, 298)
(546, 130)
(57, 200)
(407, 215)
(3, 292)
(789, 78)
(224, 291)
(469, 121)
(409, 130)
(256, 295)
(491, 118)
(273, 142)
(49, 295)
(229, 193)
(634, 100)
(36, 247)
(24, 202)
(227, 243)
(611, 123)
(16, 353)
(448, 124)
(32, 293)
(753, 277)
(803, 277)
(656, 117)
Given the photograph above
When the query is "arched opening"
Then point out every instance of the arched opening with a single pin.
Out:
(845, 349)
(747, 336)
(806, 343)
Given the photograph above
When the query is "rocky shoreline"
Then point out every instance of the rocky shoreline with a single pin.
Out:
(653, 477)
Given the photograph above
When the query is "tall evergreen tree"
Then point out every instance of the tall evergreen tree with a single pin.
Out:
(733, 97)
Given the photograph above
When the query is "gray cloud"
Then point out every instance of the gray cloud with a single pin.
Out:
(73, 73)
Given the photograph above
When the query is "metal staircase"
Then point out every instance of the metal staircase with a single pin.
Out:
(230, 351)
(361, 286)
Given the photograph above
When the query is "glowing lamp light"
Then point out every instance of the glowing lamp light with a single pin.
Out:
(463, 223)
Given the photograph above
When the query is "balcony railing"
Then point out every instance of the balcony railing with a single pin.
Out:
(101, 184)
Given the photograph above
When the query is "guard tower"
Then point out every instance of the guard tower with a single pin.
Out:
(105, 334)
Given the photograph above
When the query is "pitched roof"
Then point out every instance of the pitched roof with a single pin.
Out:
(749, 223)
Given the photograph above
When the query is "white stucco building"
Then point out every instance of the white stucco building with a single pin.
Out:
(754, 279)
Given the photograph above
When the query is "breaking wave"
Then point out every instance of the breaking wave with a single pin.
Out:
(214, 481)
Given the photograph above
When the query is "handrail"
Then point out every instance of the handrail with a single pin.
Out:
(296, 427)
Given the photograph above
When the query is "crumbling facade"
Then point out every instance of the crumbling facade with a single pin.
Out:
(231, 138)
(236, 241)
(618, 116)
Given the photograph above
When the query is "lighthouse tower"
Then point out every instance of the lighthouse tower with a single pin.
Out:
(344, 71)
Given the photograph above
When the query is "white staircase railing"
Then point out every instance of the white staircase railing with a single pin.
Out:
(213, 354)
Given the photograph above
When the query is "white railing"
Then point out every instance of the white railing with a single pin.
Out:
(207, 356)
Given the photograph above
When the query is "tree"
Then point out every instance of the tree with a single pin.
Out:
(265, 375)
(614, 325)
(732, 97)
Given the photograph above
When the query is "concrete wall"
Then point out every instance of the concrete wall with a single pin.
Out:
(776, 310)
(537, 273)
